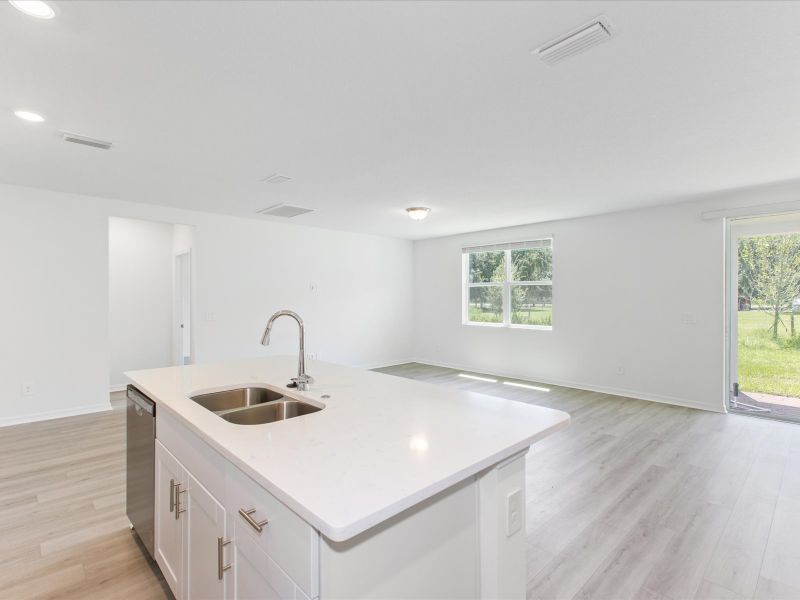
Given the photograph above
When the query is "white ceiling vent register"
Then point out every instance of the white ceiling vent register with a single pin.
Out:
(284, 210)
(578, 40)
(276, 178)
(85, 141)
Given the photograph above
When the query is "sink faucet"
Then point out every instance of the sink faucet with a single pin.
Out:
(303, 380)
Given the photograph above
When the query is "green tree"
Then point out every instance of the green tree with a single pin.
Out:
(532, 264)
(749, 257)
(487, 267)
(769, 273)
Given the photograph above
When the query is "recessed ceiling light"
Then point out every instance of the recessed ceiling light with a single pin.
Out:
(418, 212)
(34, 8)
(27, 115)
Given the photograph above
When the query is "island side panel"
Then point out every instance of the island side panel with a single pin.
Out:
(503, 563)
(428, 551)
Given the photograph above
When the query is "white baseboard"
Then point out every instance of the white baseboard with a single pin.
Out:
(56, 414)
(637, 395)
(119, 387)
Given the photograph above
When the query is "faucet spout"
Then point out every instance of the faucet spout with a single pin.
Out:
(303, 380)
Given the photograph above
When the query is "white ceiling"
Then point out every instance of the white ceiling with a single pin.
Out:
(373, 107)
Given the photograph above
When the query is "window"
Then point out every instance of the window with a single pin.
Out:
(509, 285)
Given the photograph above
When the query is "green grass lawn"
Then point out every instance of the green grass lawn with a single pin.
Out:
(540, 315)
(536, 316)
(476, 315)
(768, 365)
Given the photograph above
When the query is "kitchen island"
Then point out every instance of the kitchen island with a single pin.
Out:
(393, 488)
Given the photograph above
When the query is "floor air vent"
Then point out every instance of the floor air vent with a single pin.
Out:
(85, 141)
(284, 210)
(575, 42)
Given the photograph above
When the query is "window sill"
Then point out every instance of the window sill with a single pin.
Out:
(478, 324)
(512, 326)
(534, 327)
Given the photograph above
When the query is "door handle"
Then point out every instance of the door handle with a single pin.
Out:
(221, 566)
(246, 515)
(177, 503)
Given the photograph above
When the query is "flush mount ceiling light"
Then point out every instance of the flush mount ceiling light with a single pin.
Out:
(418, 212)
(27, 115)
(34, 8)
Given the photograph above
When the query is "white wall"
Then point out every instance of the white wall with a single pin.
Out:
(140, 296)
(53, 306)
(622, 284)
(55, 309)
(637, 271)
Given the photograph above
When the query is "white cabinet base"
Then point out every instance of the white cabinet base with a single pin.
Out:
(453, 545)
(466, 542)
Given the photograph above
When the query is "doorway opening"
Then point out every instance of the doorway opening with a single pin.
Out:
(150, 296)
(764, 309)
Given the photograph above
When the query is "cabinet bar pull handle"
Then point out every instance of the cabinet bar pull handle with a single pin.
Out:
(171, 495)
(258, 526)
(178, 509)
(221, 566)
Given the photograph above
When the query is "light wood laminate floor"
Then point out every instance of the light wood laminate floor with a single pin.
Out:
(63, 527)
(644, 500)
(633, 500)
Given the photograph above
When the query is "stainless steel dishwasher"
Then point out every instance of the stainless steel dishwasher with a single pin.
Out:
(141, 467)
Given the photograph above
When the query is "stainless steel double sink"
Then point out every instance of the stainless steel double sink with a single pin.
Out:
(254, 405)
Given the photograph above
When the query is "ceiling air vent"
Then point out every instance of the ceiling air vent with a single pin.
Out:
(275, 178)
(84, 140)
(284, 210)
(578, 40)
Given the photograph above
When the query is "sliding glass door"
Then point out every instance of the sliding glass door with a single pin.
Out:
(764, 309)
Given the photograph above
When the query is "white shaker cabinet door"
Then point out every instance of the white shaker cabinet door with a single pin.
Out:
(208, 553)
(258, 577)
(168, 518)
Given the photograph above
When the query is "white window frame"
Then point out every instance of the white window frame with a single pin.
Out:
(505, 285)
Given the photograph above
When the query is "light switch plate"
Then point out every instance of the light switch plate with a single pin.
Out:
(514, 514)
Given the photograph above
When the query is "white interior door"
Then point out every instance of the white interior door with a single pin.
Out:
(183, 309)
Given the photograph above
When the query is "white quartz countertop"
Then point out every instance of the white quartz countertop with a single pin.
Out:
(381, 444)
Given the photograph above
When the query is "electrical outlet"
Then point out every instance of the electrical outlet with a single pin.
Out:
(211, 317)
(312, 287)
(28, 389)
(514, 513)
(689, 319)
(620, 370)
